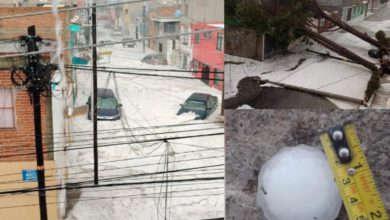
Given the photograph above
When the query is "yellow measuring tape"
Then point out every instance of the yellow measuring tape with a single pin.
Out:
(354, 179)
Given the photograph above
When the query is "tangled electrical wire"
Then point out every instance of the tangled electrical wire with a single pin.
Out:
(35, 76)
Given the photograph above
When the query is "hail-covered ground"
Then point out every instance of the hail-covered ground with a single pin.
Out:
(319, 73)
(149, 112)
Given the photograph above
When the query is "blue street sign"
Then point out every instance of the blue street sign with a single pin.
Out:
(79, 61)
(29, 175)
(74, 27)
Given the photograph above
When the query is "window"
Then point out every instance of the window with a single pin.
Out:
(195, 65)
(197, 37)
(160, 47)
(7, 119)
(185, 40)
(157, 25)
(218, 77)
(207, 35)
(170, 27)
(219, 41)
(173, 44)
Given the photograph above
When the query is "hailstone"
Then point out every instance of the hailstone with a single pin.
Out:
(297, 183)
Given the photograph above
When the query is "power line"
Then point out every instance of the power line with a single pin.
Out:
(77, 185)
(109, 43)
(113, 161)
(128, 188)
(120, 129)
(120, 143)
(74, 142)
(142, 69)
(152, 75)
(114, 168)
(115, 197)
(70, 9)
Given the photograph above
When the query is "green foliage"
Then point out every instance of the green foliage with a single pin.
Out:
(282, 20)
(380, 35)
(252, 15)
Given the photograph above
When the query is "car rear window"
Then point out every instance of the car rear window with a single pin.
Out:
(194, 105)
(107, 103)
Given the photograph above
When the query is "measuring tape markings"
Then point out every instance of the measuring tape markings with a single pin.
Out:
(358, 190)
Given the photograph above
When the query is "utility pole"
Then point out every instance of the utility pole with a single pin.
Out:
(36, 77)
(94, 99)
(166, 178)
(35, 89)
(143, 26)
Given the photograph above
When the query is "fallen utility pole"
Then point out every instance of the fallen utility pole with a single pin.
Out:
(339, 49)
(94, 98)
(313, 91)
(330, 56)
(36, 77)
(316, 8)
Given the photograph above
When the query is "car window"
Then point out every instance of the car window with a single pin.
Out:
(210, 103)
(107, 103)
(148, 57)
(194, 105)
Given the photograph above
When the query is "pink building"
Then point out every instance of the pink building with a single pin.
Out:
(208, 53)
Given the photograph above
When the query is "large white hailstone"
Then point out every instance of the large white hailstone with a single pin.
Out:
(297, 183)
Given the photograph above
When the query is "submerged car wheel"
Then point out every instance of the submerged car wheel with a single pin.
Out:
(373, 53)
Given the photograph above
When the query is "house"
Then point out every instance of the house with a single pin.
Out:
(132, 19)
(163, 22)
(347, 10)
(376, 4)
(208, 53)
(17, 134)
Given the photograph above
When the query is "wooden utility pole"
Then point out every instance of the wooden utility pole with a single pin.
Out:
(339, 49)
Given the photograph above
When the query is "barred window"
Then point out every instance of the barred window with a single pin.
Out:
(7, 117)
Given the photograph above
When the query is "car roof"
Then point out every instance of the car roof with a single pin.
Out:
(199, 97)
(103, 92)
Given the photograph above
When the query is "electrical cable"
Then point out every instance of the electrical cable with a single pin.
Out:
(52, 178)
(113, 197)
(77, 185)
(108, 131)
(151, 75)
(72, 9)
(110, 43)
(110, 138)
(139, 69)
(121, 160)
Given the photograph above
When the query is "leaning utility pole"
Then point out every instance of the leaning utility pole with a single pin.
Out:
(94, 102)
(36, 77)
(143, 26)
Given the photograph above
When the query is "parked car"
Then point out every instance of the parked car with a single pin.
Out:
(128, 44)
(105, 42)
(201, 104)
(108, 107)
(155, 59)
